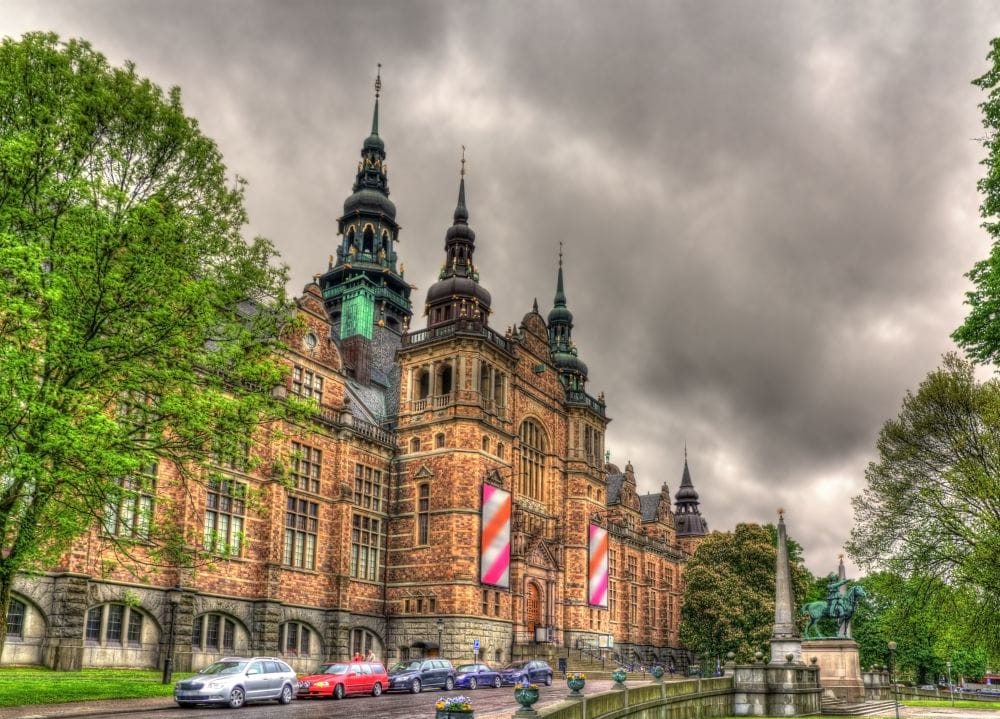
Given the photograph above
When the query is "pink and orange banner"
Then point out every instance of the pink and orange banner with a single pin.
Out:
(494, 559)
(598, 571)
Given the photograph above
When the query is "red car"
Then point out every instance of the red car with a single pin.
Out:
(339, 679)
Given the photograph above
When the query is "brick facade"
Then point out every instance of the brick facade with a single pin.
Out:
(362, 529)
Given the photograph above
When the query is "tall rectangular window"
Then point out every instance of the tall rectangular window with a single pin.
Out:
(307, 383)
(134, 627)
(368, 487)
(129, 512)
(93, 630)
(366, 547)
(114, 629)
(301, 527)
(424, 514)
(15, 619)
(306, 465)
(225, 508)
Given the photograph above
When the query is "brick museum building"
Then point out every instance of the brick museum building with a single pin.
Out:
(452, 492)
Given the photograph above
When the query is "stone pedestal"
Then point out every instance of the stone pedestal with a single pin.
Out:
(839, 667)
(776, 690)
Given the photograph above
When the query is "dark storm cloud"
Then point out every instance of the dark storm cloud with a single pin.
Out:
(766, 208)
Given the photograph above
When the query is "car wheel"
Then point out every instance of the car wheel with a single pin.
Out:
(548, 680)
(338, 691)
(449, 684)
(236, 698)
(473, 683)
(497, 682)
(377, 689)
(415, 687)
(286, 695)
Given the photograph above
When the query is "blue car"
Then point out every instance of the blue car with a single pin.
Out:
(472, 676)
(535, 671)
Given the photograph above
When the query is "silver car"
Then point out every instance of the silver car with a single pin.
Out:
(237, 680)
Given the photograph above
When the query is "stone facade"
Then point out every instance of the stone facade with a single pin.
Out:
(362, 530)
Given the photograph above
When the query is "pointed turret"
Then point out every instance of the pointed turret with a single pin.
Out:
(785, 635)
(364, 292)
(689, 521)
(572, 370)
(457, 295)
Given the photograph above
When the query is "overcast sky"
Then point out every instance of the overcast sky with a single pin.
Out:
(767, 208)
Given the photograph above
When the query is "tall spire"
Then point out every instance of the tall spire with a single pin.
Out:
(689, 521)
(572, 370)
(785, 635)
(364, 291)
(378, 91)
(457, 295)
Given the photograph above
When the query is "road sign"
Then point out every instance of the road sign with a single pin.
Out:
(475, 645)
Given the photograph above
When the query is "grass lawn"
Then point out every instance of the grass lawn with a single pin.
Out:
(34, 685)
(959, 703)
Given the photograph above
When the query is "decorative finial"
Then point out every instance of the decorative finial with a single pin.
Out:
(463, 161)
(560, 253)
(685, 451)
(378, 81)
(781, 513)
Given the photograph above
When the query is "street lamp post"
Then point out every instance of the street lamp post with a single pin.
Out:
(951, 688)
(440, 627)
(892, 675)
(173, 598)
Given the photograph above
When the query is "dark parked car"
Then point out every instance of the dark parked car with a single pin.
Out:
(237, 680)
(535, 671)
(471, 676)
(419, 673)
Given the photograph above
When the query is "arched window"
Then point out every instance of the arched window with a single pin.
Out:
(444, 379)
(532, 460)
(368, 240)
(500, 450)
(296, 639)
(486, 443)
(15, 620)
(385, 242)
(439, 440)
(423, 384)
(216, 632)
(350, 238)
(114, 624)
(415, 444)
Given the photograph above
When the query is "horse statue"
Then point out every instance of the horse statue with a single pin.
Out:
(841, 608)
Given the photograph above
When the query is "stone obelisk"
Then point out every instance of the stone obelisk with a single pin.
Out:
(785, 637)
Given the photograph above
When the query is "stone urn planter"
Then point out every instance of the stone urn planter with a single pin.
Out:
(618, 677)
(454, 708)
(657, 672)
(526, 695)
(575, 681)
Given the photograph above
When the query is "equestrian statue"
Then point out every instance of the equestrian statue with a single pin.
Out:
(837, 605)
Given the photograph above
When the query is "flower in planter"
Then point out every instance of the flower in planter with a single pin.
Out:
(454, 704)
(576, 676)
(519, 685)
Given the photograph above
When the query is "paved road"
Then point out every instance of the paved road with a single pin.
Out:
(489, 703)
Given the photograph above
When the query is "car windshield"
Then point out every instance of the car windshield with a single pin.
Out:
(332, 669)
(229, 667)
(405, 666)
(516, 665)
(466, 668)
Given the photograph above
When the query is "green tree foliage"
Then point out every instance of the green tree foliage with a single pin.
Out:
(932, 504)
(136, 324)
(729, 592)
(979, 335)
(931, 622)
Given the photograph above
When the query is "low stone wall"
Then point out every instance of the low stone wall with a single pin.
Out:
(693, 699)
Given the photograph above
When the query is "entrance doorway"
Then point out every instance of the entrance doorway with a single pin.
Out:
(534, 608)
